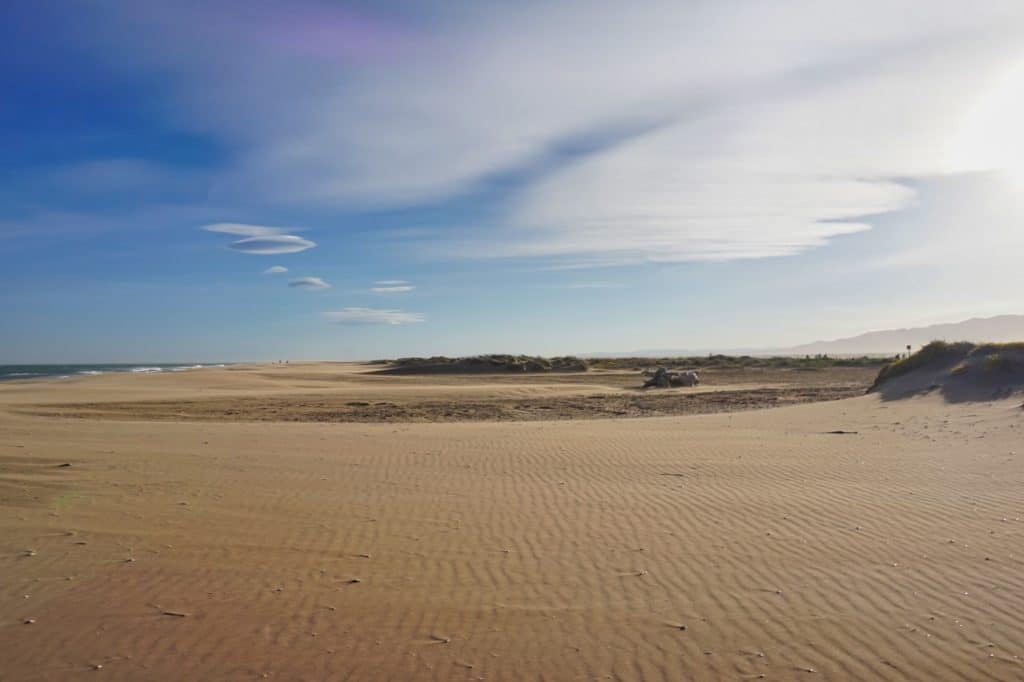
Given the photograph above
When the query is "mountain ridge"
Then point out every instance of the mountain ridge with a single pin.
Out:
(997, 329)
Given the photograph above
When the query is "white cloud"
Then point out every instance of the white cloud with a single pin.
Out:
(261, 240)
(392, 286)
(398, 289)
(244, 230)
(275, 270)
(373, 316)
(666, 131)
(312, 283)
(273, 245)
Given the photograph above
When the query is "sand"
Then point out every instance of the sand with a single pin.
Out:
(722, 546)
(351, 392)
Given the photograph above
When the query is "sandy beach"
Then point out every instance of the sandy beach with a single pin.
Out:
(564, 341)
(247, 523)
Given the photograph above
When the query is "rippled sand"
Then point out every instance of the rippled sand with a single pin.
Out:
(725, 546)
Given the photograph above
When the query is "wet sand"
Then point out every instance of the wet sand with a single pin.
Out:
(720, 546)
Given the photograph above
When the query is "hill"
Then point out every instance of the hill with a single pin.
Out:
(887, 342)
(999, 329)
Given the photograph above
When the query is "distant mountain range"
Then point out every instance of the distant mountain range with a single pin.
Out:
(886, 342)
(890, 341)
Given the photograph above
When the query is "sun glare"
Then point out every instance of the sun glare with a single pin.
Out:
(992, 137)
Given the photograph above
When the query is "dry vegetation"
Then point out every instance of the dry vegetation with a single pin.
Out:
(490, 364)
(807, 362)
(962, 371)
(483, 364)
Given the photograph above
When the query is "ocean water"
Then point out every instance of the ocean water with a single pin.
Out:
(13, 372)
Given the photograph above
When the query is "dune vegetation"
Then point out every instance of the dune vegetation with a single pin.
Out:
(961, 364)
(717, 361)
(484, 364)
(498, 364)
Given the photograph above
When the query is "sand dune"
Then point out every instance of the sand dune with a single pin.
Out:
(960, 372)
(726, 546)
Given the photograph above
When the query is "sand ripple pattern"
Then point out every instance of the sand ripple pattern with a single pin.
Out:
(734, 546)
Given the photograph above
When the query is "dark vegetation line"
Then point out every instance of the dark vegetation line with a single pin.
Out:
(531, 363)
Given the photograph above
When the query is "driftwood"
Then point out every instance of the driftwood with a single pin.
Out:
(662, 378)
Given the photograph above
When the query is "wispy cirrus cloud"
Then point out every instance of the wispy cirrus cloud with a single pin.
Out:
(311, 283)
(275, 270)
(373, 316)
(392, 286)
(713, 131)
(261, 240)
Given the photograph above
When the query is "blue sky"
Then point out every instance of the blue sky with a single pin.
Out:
(561, 177)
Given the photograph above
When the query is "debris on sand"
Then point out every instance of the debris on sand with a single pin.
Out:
(662, 378)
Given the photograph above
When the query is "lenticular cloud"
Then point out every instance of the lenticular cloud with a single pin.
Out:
(391, 290)
(261, 240)
(373, 316)
(272, 245)
(309, 283)
(391, 286)
(243, 230)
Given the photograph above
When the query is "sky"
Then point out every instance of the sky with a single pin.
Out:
(252, 180)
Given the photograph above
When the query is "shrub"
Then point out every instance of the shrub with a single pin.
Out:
(961, 357)
(936, 353)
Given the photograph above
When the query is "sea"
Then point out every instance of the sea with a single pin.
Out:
(13, 372)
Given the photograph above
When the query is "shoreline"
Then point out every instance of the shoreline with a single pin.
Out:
(69, 371)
